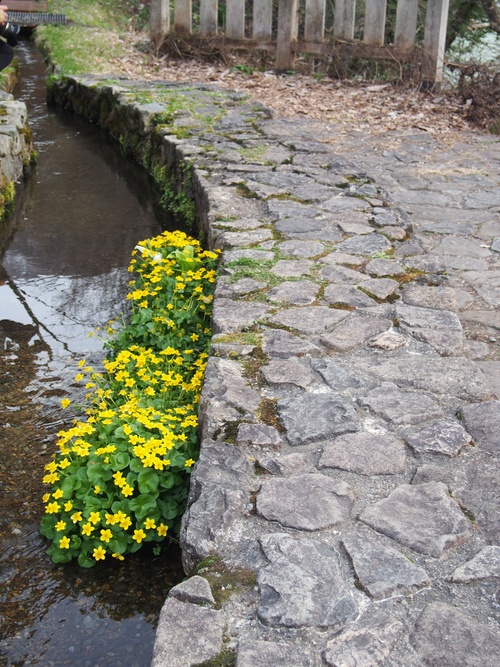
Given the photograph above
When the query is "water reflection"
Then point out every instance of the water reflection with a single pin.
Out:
(64, 257)
(62, 616)
(82, 212)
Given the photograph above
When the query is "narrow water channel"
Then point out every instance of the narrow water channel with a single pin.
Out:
(63, 274)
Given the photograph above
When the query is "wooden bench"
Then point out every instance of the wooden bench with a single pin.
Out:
(26, 5)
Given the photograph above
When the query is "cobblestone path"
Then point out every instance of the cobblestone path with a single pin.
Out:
(344, 510)
(350, 411)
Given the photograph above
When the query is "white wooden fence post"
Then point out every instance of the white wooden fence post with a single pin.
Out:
(208, 17)
(314, 29)
(159, 21)
(183, 16)
(235, 19)
(374, 31)
(436, 22)
(406, 23)
(343, 19)
(287, 34)
(262, 19)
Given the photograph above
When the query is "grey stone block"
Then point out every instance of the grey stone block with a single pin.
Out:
(366, 643)
(443, 436)
(401, 407)
(440, 328)
(195, 590)
(179, 623)
(279, 344)
(303, 585)
(290, 372)
(365, 454)
(310, 319)
(482, 421)
(484, 565)
(382, 570)
(446, 637)
(254, 653)
(315, 417)
(354, 331)
(305, 502)
(422, 517)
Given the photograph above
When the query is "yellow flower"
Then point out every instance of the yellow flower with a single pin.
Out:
(162, 530)
(68, 506)
(94, 517)
(119, 556)
(127, 490)
(81, 363)
(51, 467)
(52, 508)
(79, 377)
(57, 494)
(51, 478)
(64, 542)
(99, 553)
(45, 497)
(60, 525)
(119, 479)
(64, 464)
(149, 523)
(138, 535)
(111, 519)
(97, 489)
(87, 529)
(106, 535)
(189, 463)
(125, 523)
(65, 402)
(76, 517)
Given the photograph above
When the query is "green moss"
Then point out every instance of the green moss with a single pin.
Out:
(246, 267)
(7, 196)
(267, 414)
(224, 581)
(239, 338)
(253, 153)
(226, 658)
(172, 199)
(286, 196)
(231, 431)
(244, 191)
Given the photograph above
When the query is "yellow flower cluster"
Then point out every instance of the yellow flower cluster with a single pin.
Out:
(120, 477)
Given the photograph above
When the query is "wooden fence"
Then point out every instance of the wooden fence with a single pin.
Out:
(323, 28)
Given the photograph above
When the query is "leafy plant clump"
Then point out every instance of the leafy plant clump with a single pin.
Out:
(120, 477)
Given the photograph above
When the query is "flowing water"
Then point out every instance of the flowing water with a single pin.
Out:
(63, 274)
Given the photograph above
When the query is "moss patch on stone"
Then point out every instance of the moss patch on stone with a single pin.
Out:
(224, 581)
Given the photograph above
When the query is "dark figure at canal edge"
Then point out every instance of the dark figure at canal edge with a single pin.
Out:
(6, 50)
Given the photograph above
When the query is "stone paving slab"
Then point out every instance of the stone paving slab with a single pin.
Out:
(379, 384)
(349, 456)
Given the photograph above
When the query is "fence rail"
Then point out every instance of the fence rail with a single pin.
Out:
(323, 28)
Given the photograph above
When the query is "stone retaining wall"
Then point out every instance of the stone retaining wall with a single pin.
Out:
(334, 516)
(15, 147)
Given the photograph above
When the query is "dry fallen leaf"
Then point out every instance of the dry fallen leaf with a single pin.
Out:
(372, 108)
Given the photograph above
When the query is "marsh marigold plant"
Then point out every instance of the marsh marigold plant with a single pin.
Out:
(120, 476)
